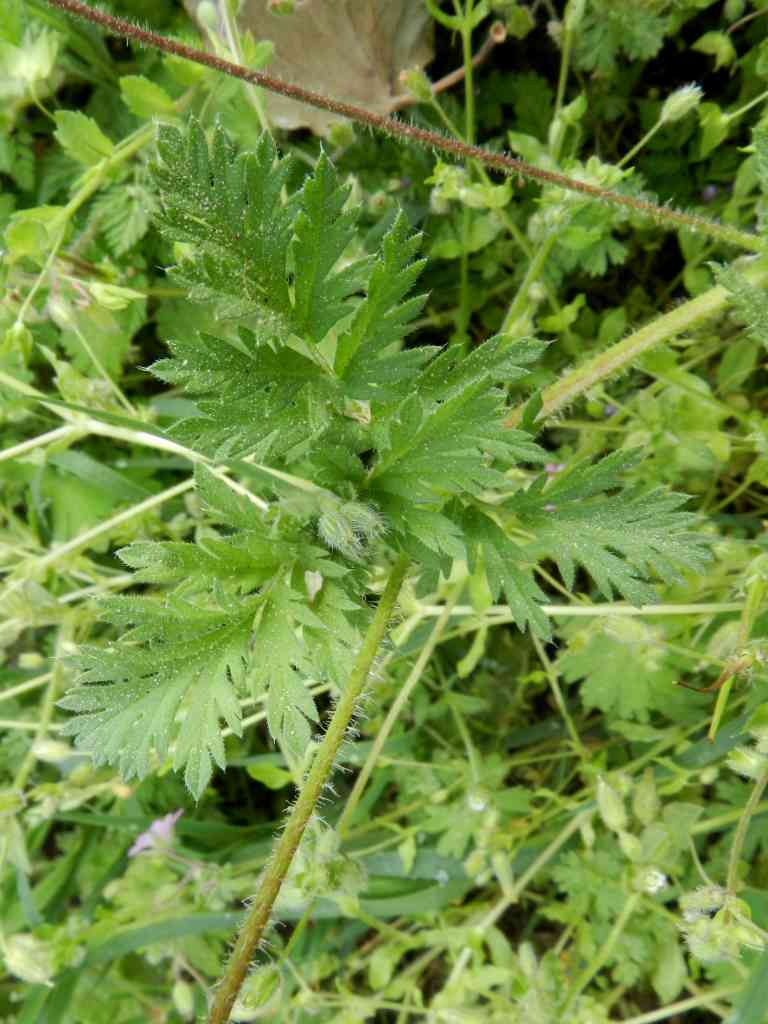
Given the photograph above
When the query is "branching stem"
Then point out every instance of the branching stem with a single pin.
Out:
(322, 766)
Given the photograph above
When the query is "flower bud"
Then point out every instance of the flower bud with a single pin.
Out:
(184, 999)
(681, 102)
(29, 958)
(704, 900)
(610, 806)
(18, 338)
(651, 881)
(417, 84)
(645, 802)
(747, 762)
(631, 846)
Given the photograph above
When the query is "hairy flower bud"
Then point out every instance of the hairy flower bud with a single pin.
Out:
(681, 102)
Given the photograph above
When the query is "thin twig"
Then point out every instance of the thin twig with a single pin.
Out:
(496, 35)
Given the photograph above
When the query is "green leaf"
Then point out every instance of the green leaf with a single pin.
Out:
(715, 125)
(436, 449)
(760, 139)
(178, 661)
(749, 303)
(229, 207)
(624, 669)
(506, 569)
(620, 539)
(234, 376)
(81, 137)
(145, 98)
(323, 230)
(754, 997)
(33, 231)
(290, 707)
(122, 213)
(717, 45)
(362, 356)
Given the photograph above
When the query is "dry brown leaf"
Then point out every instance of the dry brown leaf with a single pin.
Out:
(351, 50)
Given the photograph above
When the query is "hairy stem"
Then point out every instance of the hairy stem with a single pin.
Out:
(620, 356)
(322, 766)
(499, 161)
(397, 706)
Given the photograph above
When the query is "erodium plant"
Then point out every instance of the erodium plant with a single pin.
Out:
(334, 465)
(353, 453)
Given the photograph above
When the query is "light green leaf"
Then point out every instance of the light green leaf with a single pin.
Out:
(81, 137)
(145, 98)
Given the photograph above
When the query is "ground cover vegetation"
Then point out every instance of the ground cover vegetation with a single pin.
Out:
(383, 524)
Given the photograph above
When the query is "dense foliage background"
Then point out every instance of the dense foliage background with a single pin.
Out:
(547, 833)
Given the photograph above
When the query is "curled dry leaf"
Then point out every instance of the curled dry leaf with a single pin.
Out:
(346, 49)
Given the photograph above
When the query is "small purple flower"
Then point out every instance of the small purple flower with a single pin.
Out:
(158, 836)
(554, 467)
(610, 409)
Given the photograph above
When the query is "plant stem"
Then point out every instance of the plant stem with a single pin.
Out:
(506, 164)
(47, 704)
(602, 954)
(462, 320)
(535, 267)
(732, 880)
(618, 357)
(322, 766)
(397, 706)
(489, 919)
(676, 1009)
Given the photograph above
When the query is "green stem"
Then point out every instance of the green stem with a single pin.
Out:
(618, 357)
(520, 301)
(750, 809)
(397, 706)
(684, 1005)
(46, 706)
(602, 954)
(754, 102)
(500, 908)
(639, 145)
(322, 766)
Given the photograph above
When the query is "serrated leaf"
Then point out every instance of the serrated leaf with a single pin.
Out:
(748, 301)
(323, 230)
(123, 213)
(131, 695)
(277, 668)
(382, 318)
(503, 562)
(620, 539)
(440, 449)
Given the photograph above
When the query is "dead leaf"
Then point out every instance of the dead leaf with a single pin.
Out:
(352, 50)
